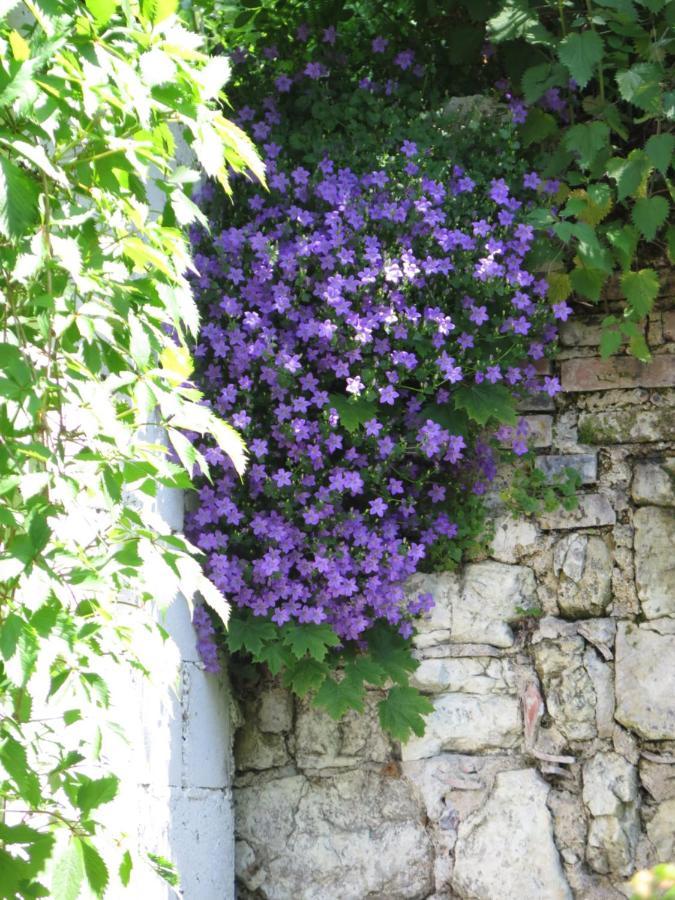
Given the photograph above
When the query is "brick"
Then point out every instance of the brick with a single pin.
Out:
(586, 465)
(594, 510)
(627, 426)
(617, 372)
(580, 333)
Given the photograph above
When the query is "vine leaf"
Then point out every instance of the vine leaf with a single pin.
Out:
(249, 634)
(305, 675)
(483, 402)
(337, 696)
(402, 712)
(312, 639)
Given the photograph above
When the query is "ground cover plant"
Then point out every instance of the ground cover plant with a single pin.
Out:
(369, 325)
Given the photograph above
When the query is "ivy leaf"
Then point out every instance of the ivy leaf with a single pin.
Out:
(588, 282)
(312, 639)
(94, 868)
(649, 214)
(629, 173)
(18, 200)
(337, 696)
(401, 712)
(353, 412)
(586, 140)
(94, 792)
(659, 148)
(485, 402)
(305, 675)
(641, 289)
(250, 634)
(580, 52)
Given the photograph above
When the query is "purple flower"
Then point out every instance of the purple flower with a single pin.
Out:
(377, 507)
(379, 44)
(562, 311)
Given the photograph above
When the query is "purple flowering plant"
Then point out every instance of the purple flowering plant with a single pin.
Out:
(369, 325)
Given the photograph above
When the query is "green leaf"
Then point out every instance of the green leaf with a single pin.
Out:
(312, 639)
(69, 873)
(649, 214)
(513, 20)
(486, 402)
(366, 669)
(10, 630)
(402, 711)
(640, 85)
(580, 52)
(659, 148)
(18, 200)
(353, 412)
(641, 289)
(94, 868)
(538, 126)
(539, 79)
(623, 241)
(629, 173)
(588, 282)
(338, 696)
(158, 10)
(586, 141)
(102, 10)
(670, 241)
(276, 656)
(125, 868)
(305, 675)
(20, 48)
(95, 792)
(392, 653)
(164, 868)
(250, 634)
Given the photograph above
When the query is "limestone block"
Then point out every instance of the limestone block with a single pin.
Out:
(568, 688)
(627, 426)
(584, 568)
(539, 430)
(645, 681)
(464, 675)
(477, 607)
(654, 483)
(661, 831)
(512, 538)
(506, 848)
(654, 563)
(658, 778)
(257, 750)
(610, 791)
(616, 372)
(275, 713)
(352, 835)
(467, 723)
(490, 598)
(323, 743)
(603, 686)
(593, 511)
(586, 464)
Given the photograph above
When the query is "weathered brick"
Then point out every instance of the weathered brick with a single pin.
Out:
(627, 426)
(594, 510)
(617, 372)
(580, 333)
(586, 465)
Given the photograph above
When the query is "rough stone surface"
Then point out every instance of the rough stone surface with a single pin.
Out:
(512, 538)
(654, 561)
(610, 791)
(358, 834)
(586, 465)
(583, 565)
(594, 510)
(661, 831)
(568, 688)
(654, 483)
(645, 681)
(658, 777)
(627, 426)
(616, 372)
(506, 849)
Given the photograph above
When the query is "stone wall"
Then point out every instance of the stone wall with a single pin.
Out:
(548, 765)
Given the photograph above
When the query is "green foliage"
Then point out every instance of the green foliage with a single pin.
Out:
(531, 492)
(96, 317)
(615, 133)
(657, 883)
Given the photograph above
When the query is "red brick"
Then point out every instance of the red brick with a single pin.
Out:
(617, 372)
